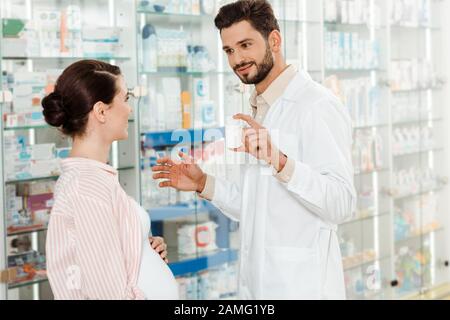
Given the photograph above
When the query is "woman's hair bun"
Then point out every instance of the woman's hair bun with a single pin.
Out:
(77, 90)
(54, 112)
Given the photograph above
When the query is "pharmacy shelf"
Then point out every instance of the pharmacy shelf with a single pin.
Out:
(415, 194)
(297, 21)
(125, 168)
(205, 262)
(175, 18)
(419, 235)
(360, 264)
(186, 73)
(370, 126)
(38, 126)
(167, 17)
(53, 177)
(362, 70)
(56, 58)
(435, 293)
(35, 280)
(346, 25)
(17, 254)
(367, 294)
(418, 152)
(403, 294)
(432, 88)
(26, 231)
(314, 70)
(399, 27)
(164, 138)
(229, 296)
(416, 121)
(427, 290)
(180, 210)
(377, 170)
(365, 218)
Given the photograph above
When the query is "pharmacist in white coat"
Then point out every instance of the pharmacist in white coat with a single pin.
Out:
(291, 200)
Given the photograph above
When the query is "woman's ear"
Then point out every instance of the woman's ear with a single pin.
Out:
(99, 111)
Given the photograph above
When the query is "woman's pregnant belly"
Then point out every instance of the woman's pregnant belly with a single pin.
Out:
(155, 277)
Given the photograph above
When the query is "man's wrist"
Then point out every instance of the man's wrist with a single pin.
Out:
(282, 160)
(201, 184)
(278, 160)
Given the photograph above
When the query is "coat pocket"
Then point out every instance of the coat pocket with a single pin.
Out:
(291, 273)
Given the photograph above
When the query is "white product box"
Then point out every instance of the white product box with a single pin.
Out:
(172, 98)
(42, 216)
(33, 78)
(208, 113)
(47, 19)
(344, 11)
(102, 34)
(37, 187)
(201, 90)
(197, 238)
(347, 50)
(330, 9)
(96, 49)
(14, 204)
(43, 151)
(335, 51)
(63, 153)
(14, 47)
(17, 170)
(40, 168)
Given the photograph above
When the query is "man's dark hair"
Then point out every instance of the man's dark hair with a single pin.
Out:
(258, 13)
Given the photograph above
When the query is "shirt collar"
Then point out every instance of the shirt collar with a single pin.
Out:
(72, 162)
(275, 89)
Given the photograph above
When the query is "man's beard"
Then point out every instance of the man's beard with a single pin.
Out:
(262, 69)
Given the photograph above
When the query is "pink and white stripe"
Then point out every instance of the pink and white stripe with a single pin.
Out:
(94, 239)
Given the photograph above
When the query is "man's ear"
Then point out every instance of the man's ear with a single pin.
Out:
(99, 110)
(275, 41)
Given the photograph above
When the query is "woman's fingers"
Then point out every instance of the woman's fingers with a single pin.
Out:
(161, 248)
(154, 241)
(158, 244)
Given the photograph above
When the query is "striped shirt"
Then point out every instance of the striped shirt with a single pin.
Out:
(94, 239)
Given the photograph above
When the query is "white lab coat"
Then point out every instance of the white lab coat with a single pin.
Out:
(289, 247)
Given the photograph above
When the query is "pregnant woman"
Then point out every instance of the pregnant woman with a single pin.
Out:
(98, 244)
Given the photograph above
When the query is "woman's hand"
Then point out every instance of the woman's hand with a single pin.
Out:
(159, 246)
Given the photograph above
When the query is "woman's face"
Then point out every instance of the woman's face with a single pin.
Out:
(118, 113)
